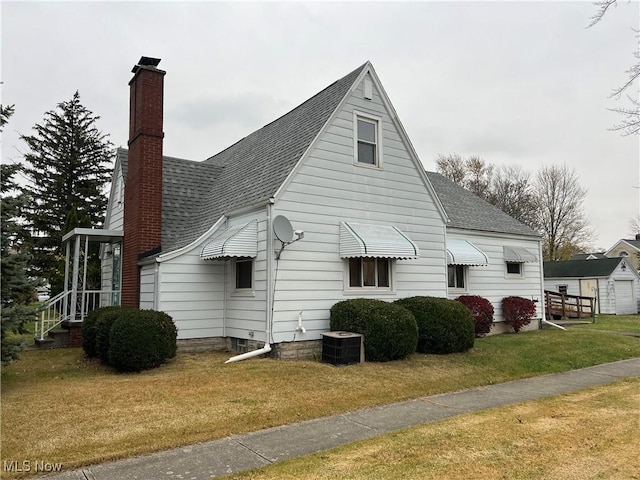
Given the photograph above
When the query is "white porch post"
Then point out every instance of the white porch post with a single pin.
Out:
(74, 288)
(84, 278)
(66, 279)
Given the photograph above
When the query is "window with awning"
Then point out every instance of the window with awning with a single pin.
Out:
(235, 242)
(515, 254)
(463, 252)
(375, 241)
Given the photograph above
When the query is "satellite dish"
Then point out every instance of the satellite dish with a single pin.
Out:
(283, 229)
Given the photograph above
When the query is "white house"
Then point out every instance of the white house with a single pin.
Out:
(614, 282)
(251, 247)
(489, 253)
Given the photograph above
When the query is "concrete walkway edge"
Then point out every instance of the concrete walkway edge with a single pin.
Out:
(243, 452)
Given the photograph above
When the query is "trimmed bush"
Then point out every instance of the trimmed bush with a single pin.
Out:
(141, 339)
(95, 331)
(444, 326)
(89, 332)
(518, 312)
(481, 311)
(390, 331)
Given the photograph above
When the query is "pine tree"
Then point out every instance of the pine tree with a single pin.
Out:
(68, 167)
(16, 291)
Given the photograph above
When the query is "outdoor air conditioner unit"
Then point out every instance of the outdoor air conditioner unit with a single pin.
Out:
(342, 348)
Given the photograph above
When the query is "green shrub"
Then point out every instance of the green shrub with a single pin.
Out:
(89, 332)
(97, 340)
(390, 331)
(518, 312)
(481, 311)
(444, 326)
(141, 339)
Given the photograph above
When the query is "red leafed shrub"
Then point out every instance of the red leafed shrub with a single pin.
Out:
(481, 311)
(518, 311)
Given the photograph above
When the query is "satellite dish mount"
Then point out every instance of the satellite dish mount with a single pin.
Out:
(283, 231)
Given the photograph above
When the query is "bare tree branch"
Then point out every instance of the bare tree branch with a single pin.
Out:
(603, 6)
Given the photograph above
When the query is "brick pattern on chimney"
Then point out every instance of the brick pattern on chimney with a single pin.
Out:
(143, 186)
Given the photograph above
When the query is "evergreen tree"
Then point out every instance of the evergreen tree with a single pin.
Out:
(16, 291)
(68, 167)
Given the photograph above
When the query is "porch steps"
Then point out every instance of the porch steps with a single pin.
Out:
(56, 338)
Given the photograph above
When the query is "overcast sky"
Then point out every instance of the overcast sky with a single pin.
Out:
(513, 82)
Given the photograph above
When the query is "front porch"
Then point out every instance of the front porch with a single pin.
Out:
(60, 318)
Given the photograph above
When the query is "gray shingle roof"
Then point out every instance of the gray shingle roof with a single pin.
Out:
(635, 243)
(467, 210)
(197, 194)
(597, 267)
(585, 256)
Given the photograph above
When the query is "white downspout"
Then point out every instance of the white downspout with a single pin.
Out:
(269, 288)
(253, 353)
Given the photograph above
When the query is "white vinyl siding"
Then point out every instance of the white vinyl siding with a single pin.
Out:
(329, 188)
(199, 294)
(491, 281)
(609, 289)
(114, 221)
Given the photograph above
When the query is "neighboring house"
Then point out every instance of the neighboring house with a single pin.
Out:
(630, 249)
(489, 253)
(588, 256)
(612, 281)
(252, 247)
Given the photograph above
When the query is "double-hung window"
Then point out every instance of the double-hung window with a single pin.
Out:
(369, 273)
(367, 141)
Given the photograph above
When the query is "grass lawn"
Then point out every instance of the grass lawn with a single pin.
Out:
(591, 434)
(58, 406)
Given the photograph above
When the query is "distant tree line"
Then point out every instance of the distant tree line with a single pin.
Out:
(551, 202)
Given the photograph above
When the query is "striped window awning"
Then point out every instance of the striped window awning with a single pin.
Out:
(518, 255)
(462, 252)
(239, 241)
(378, 241)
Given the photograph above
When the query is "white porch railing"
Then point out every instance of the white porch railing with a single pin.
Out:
(60, 308)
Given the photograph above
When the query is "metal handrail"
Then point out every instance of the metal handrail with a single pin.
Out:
(58, 309)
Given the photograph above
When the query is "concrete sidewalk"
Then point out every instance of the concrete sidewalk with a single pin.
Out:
(242, 452)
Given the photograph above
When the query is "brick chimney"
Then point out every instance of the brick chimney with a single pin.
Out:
(143, 185)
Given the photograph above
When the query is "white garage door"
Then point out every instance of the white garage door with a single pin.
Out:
(625, 301)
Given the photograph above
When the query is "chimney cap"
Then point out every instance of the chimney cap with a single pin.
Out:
(146, 62)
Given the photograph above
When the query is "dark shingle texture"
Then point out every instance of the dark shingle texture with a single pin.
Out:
(597, 267)
(197, 194)
(184, 184)
(467, 210)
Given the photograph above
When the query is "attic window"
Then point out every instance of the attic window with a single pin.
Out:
(367, 139)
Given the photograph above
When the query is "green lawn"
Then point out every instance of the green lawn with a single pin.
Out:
(93, 414)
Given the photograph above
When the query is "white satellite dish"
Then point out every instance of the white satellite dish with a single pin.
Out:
(283, 229)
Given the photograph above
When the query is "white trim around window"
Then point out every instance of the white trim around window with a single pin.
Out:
(364, 275)
(243, 277)
(371, 141)
(457, 278)
(514, 270)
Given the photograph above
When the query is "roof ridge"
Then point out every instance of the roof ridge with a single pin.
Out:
(307, 101)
